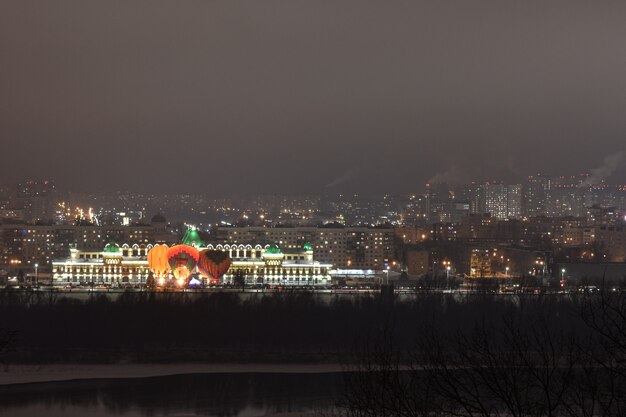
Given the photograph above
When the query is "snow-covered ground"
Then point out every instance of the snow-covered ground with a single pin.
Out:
(22, 374)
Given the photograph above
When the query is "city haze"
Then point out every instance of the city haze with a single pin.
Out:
(225, 98)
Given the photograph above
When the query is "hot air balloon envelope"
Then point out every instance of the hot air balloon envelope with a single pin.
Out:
(157, 260)
(213, 264)
(182, 260)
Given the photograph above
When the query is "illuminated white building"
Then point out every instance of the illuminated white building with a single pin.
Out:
(503, 201)
(125, 264)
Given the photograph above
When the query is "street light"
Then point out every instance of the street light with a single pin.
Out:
(387, 275)
(540, 268)
(36, 274)
(562, 273)
(506, 275)
(448, 277)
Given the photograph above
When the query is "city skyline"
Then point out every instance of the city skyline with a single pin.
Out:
(600, 176)
(43, 201)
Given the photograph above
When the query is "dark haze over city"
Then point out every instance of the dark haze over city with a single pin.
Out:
(308, 97)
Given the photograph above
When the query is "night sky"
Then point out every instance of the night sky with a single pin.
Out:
(290, 96)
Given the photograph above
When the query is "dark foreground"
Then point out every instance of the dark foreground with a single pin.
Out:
(225, 328)
(434, 355)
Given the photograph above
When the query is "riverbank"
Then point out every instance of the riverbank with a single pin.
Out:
(27, 374)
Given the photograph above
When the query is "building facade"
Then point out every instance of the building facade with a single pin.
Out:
(344, 247)
(503, 201)
(32, 244)
(536, 191)
(612, 239)
(128, 264)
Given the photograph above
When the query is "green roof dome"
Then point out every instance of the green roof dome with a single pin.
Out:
(273, 249)
(192, 236)
(112, 248)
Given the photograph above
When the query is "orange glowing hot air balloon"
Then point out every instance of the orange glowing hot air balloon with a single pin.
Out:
(213, 264)
(182, 260)
(157, 261)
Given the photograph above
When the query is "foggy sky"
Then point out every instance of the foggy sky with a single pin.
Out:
(290, 96)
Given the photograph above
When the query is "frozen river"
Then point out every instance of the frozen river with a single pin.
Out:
(239, 394)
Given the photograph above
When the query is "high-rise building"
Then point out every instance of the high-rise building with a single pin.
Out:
(472, 194)
(38, 199)
(514, 201)
(496, 198)
(566, 196)
(503, 201)
(535, 195)
(439, 202)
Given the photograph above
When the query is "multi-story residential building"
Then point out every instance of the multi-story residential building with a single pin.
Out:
(572, 235)
(30, 244)
(411, 235)
(535, 197)
(597, 214)
(38, 199)
(480, 264)
(503, 201)
(415, 211)
(344, 247)
(612, 239)
(496, 200)
(417, 261)
(565, 201)
(472, 226)
(514, 201)
(473, 194)
(589, 235)
(12, 214)
(439, 201)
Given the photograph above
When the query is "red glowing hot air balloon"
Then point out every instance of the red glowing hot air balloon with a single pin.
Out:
(182, 260)
(213, 264)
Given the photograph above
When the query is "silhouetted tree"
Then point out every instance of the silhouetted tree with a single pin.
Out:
(8, 341)
(525, 364)
(239, 279)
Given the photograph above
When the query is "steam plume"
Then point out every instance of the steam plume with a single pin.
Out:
(610, 164)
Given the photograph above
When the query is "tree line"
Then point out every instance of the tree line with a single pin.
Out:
(526, 362)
